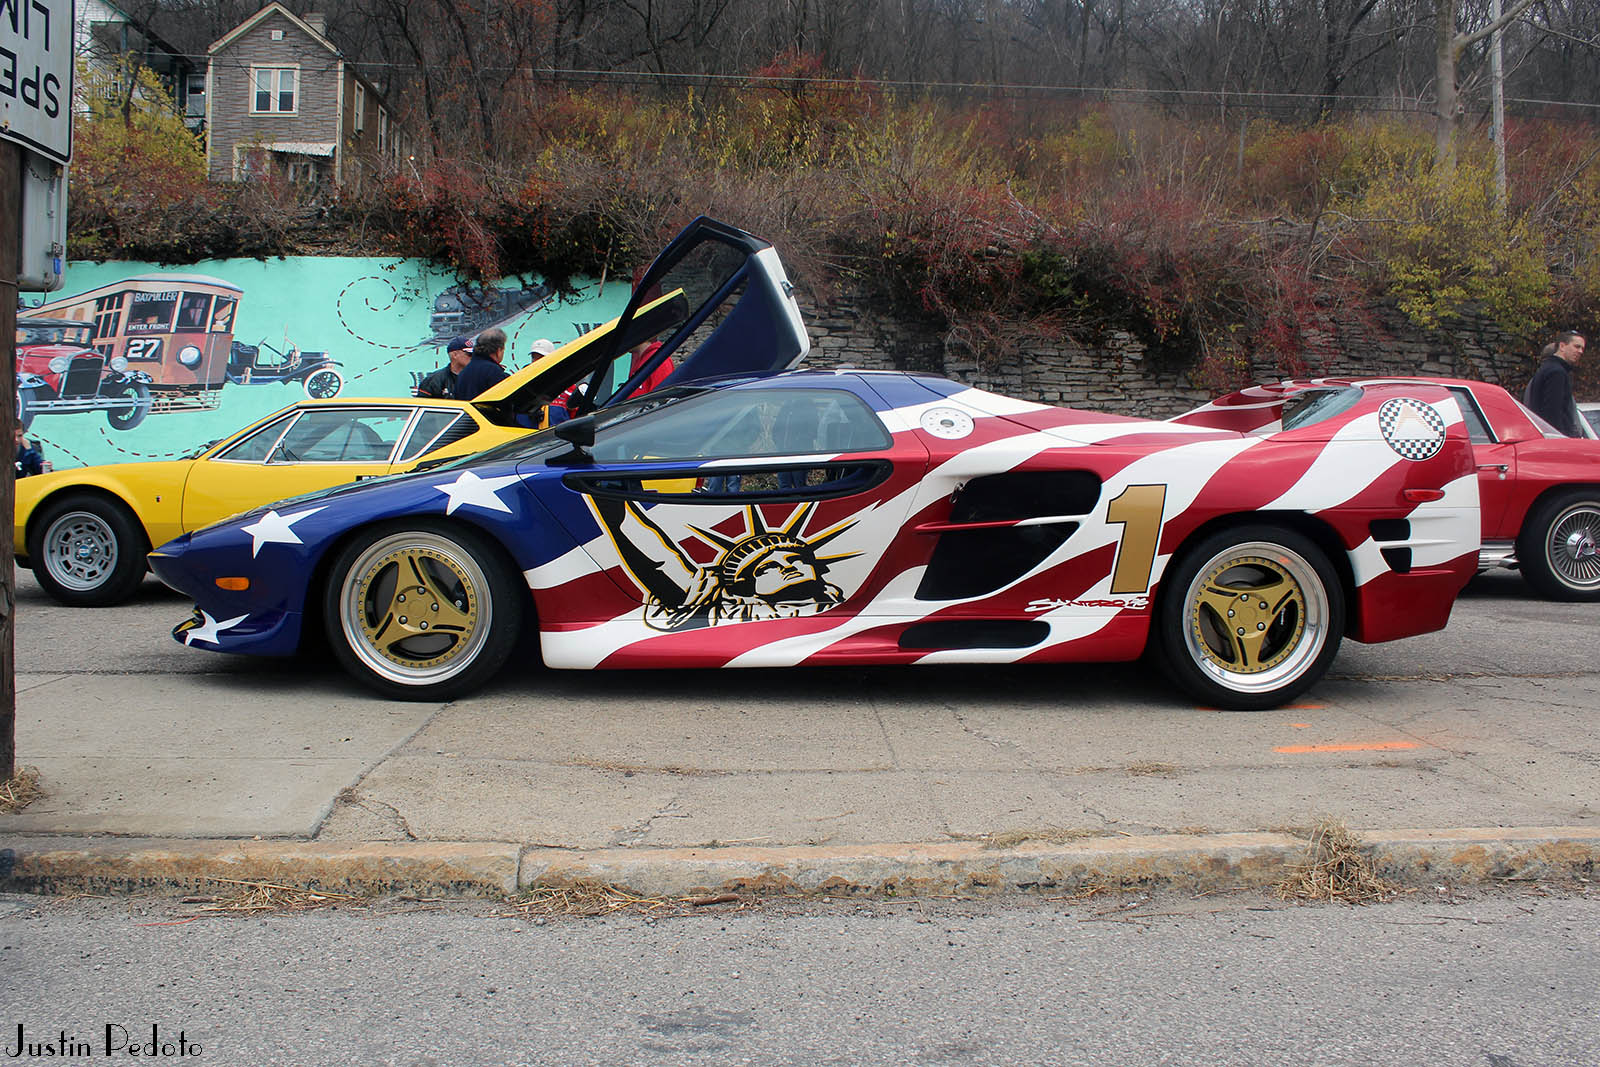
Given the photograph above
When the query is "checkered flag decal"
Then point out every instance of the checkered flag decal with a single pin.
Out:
(1412, 428)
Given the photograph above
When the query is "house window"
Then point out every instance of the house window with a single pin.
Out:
(274, 89)
(360, 122)
(196, 105)
(383, 129)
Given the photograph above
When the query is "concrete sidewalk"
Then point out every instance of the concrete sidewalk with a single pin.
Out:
(163, 765)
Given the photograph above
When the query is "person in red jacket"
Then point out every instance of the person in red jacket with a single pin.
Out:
(641, 356)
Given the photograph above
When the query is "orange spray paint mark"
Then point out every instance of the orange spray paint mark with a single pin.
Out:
(1375, 746)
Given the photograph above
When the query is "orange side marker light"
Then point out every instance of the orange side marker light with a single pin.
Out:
(233, 585)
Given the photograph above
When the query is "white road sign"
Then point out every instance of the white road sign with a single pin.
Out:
(36, 75)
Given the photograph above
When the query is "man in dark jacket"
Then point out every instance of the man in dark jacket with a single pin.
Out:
(30, 460)
(1549, 394)
(484, 369)
(442, 382)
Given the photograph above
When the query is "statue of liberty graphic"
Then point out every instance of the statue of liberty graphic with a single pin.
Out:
(763, 574)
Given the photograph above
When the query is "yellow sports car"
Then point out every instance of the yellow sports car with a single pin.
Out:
(85, 532)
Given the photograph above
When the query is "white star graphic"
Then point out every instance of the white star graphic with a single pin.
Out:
(468, 488)
(273, 529)
(210, 628)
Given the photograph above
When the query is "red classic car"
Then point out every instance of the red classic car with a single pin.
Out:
(58, 371)
(1539, 490)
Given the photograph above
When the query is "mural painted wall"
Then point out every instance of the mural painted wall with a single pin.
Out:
(133, 361)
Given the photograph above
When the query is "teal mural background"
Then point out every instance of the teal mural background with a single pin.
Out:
(371, 315)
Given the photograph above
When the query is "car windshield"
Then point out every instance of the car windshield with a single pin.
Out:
(1312, 407)
(546, 440)
(1539, 421)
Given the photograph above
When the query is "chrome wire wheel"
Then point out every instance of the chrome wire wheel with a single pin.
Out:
(1572, 546)
(80, 550)
(415, 608)
(1256, 617)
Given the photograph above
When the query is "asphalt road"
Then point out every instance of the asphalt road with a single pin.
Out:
(1488, 980)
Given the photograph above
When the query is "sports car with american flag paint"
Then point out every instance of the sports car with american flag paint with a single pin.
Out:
(810, 517)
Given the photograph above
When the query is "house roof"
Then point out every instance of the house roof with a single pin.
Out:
(254, 20)
(143, 27)
(276, 8)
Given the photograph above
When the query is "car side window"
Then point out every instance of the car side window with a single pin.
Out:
(1477, 427)
(435, 428)
(342, 435)
(255, 447)
(742, 423)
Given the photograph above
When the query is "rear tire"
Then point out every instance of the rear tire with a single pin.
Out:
(87, 551)
(423, 610)
(1559, 546)
(1250, 617)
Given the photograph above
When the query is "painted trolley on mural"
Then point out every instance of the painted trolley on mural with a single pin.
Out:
(172, 333)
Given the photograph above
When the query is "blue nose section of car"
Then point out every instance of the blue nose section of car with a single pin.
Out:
(267, 633)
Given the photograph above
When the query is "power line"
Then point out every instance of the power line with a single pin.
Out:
(1259, 97)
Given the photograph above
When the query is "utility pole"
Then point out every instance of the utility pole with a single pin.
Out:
(35, 146)
(1497, 97)
(10, 216)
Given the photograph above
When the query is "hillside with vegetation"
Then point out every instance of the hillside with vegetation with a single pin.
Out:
(1000, 216)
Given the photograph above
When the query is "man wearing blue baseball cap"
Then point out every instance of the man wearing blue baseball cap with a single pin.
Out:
(441, 384)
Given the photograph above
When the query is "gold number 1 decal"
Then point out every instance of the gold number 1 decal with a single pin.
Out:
(1138, 512)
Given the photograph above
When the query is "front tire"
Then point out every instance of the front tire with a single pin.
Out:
(1250, 617)
(1559, 546)
(323, 383)
(87, 551)
(424, 610)
(138, 405)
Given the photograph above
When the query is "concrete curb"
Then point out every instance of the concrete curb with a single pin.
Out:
(49, 865)
(1197, 863)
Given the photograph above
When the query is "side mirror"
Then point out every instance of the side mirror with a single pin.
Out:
(579, 433)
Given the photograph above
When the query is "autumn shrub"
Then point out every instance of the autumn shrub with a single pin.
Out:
(1292, 169)
(138, 180)
(1435, 242)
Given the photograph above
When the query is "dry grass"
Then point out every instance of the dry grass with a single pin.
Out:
(254, 898)
(588, 899)
(1336, 868)
(20, 790)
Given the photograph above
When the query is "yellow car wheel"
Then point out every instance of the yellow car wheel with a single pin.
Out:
(1250, 617)
(425, 611)
(87, 551)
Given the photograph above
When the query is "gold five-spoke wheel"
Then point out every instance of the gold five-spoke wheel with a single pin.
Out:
(1250, 617)
(423, 612)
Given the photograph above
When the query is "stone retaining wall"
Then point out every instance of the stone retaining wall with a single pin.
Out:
(1121, 374)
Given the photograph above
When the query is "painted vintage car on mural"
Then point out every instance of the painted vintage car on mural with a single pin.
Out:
(852, 518)
(85, 532)
(60, 373)
(175, 331)
(1539, 490)
(321, 376)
